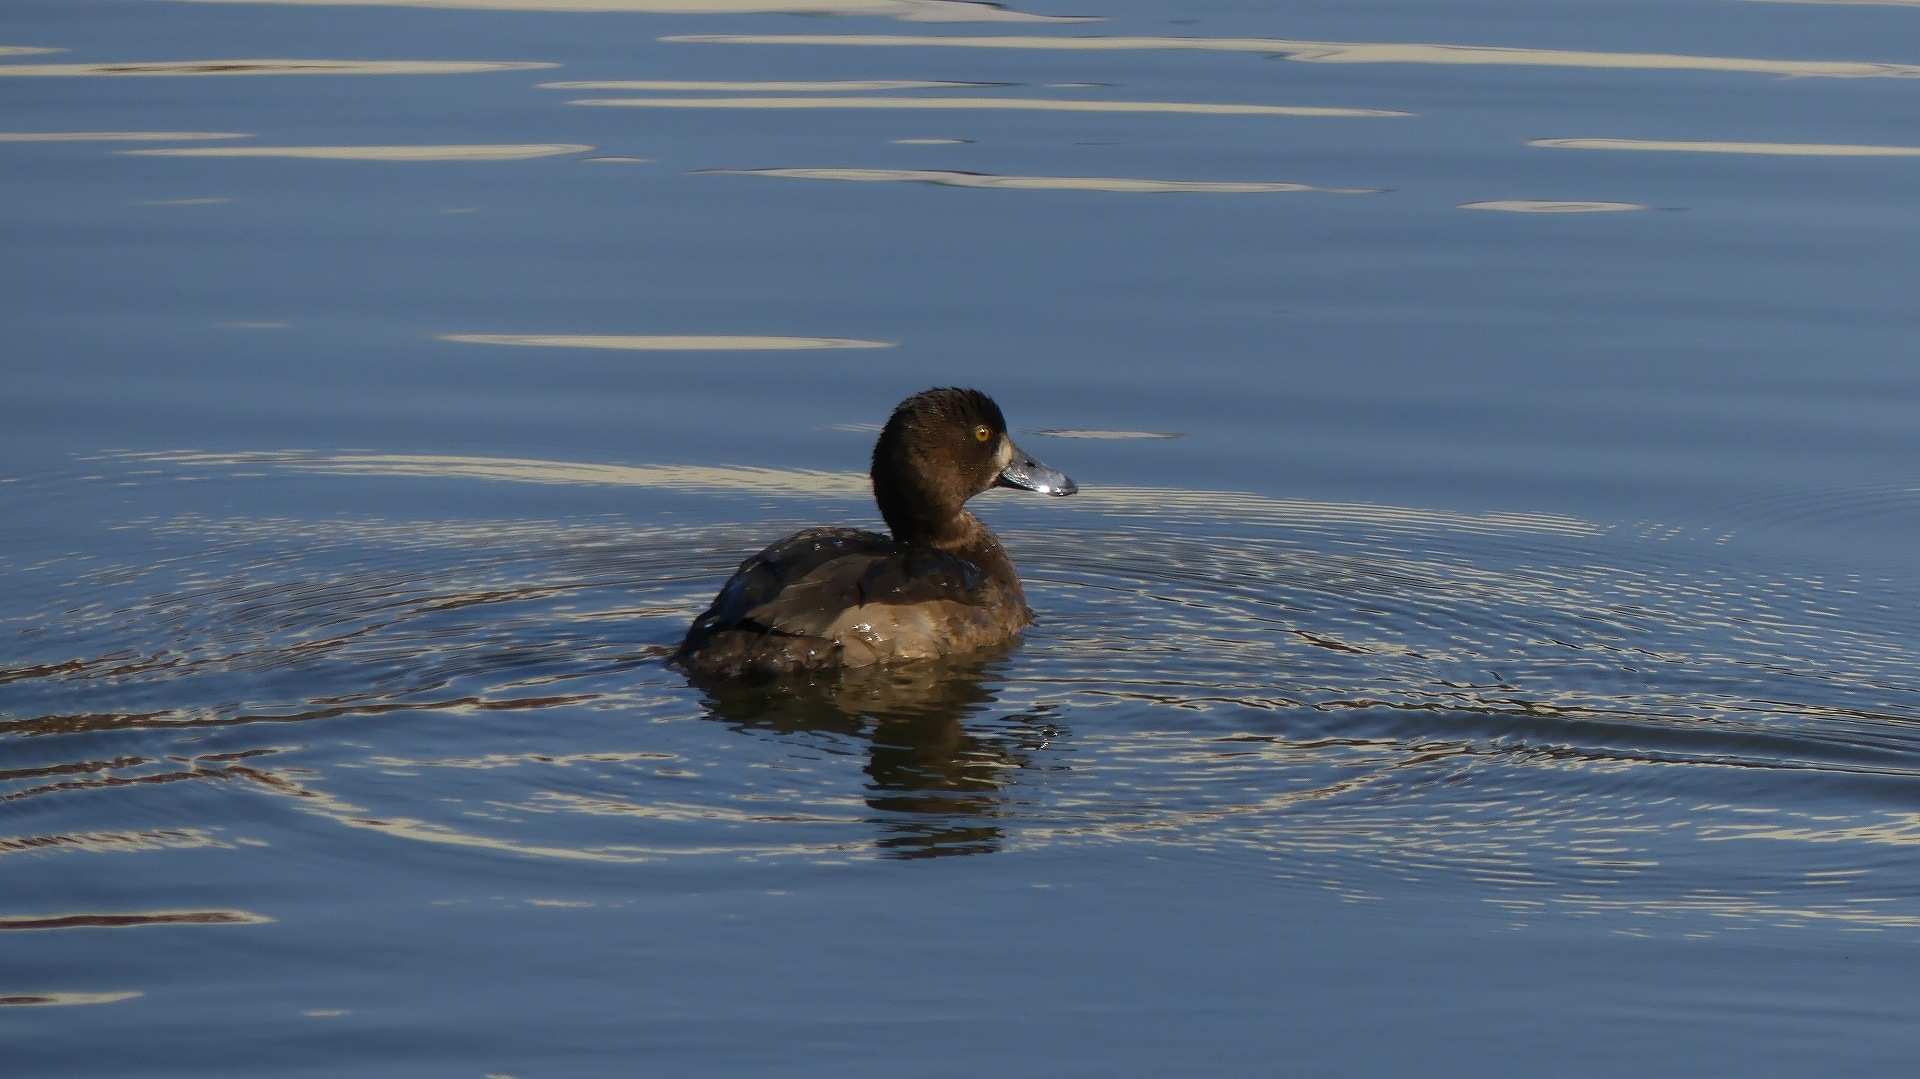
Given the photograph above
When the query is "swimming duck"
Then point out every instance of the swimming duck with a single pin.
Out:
(941, 584)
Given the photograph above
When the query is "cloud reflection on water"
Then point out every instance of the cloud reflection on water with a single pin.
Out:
(34, 1000)
(1547, 206)
(270, 67)
(1224, 504)
(1780, 149)
(931, 11)
(1065, 432)
(1345, 52)
(129, 920)
(1022, 104)
(1035, 183)
(823, 86)
(664, 342)
(522, 152)
(117, 136)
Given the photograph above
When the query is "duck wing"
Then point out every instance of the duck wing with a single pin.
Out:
(761, 579)
(874, 588)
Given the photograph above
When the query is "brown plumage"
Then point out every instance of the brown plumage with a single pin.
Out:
(829, 598)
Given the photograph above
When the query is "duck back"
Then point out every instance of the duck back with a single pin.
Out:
(843, 597)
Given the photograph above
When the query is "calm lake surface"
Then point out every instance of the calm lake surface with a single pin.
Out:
(1486, 641)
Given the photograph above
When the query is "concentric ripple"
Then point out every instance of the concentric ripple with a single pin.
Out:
(1562, 718)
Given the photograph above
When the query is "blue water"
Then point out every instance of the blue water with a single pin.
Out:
(1484, 644)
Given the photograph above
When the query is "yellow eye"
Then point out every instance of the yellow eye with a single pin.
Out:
(982, 433)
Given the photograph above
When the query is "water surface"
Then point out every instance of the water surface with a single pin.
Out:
(1484, 641)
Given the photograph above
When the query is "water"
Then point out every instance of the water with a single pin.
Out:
(1484, 642)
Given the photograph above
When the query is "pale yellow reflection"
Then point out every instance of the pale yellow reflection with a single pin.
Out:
(117, 136)
(1028, 104)
(1900, 830)
(1239, 505)
(31, 1000)
(492, 761)
(940, 11)
(1785, 149)
(1347, 52)
(1034, 183)
(1858, 914)
(606, 805)
(26, 50)
(377, 153)
(663, 342)
(1544, 206)
(1592, 851)
(274, 67)
(320, 803)
(818, 87)
(114, 842)
(1235, 505)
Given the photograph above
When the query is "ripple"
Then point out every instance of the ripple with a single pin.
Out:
(1560, 717)
(521, 152)
(1035, 183)
(1840, 512)
(1347, 52)
(1028, 104)
(270, 67)
(663, 342)
(110, 842)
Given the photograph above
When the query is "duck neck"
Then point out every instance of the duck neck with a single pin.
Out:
(925, 521)
(920, 513)
(969, 537)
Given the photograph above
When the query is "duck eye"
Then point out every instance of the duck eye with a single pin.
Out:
(982, 433)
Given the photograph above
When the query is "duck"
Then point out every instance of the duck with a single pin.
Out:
(938, 584)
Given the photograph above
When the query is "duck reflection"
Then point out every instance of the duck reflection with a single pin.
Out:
(936, 782)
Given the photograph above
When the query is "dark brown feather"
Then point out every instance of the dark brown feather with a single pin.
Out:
(842, 597)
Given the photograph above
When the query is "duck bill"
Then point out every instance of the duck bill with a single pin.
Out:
(1028, 474)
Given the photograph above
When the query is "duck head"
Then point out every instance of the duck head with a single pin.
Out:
(941, 447)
